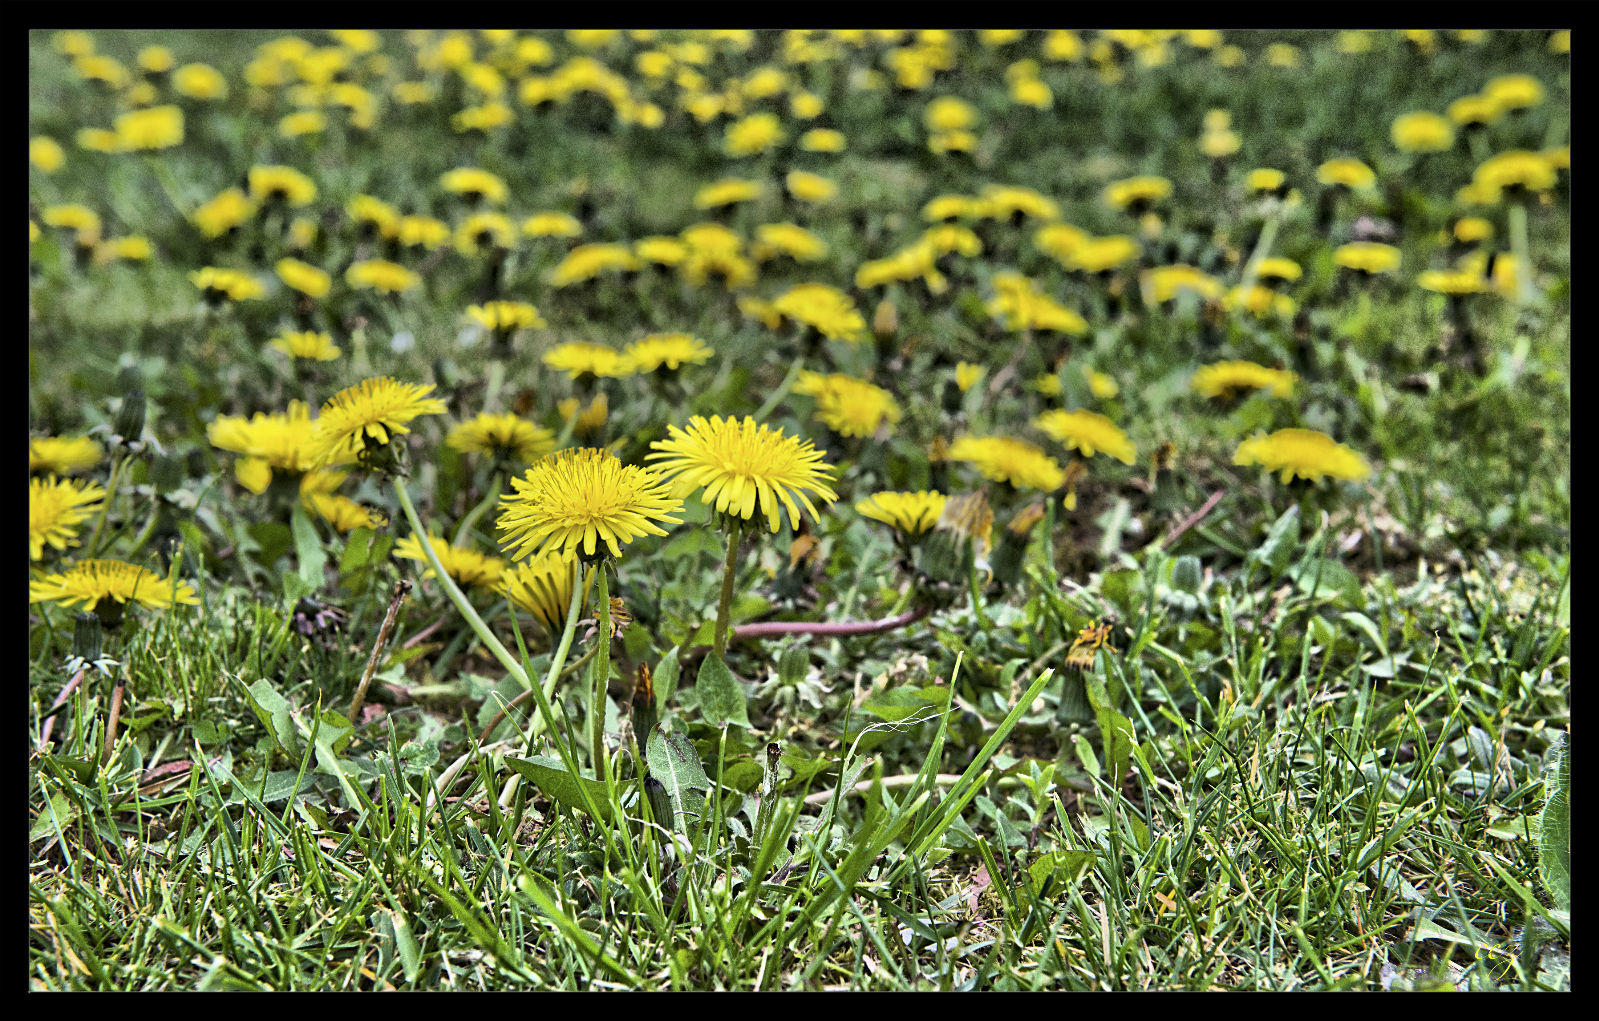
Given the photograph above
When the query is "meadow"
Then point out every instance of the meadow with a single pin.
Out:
(805, 510)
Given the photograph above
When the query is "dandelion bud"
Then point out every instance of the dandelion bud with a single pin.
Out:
(130, 417)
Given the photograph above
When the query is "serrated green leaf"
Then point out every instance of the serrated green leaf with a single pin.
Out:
(272, 709)
(1554, 837)
(721, 696)
(665, 677)
(550, 776)
(676, 765)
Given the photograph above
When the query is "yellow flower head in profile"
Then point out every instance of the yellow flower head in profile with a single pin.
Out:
(311, 346)
(1222, 379)
(808, 187)
(753, 135)
(1368, 257)
(822, 140)
(366, 416)
(826, 309)
(542, 585)
(504, 436)
(578, 358)
(1455, 283)
(967, 374)
(1020, 304)
(1005, 459)
(506, 316)
(672, 350)
(726, 192)
(235, 285)
(789, 239)
(1087, 432)
(1423, 131)
(55, 509)
(743, 465)
(63, 455)
(303, 277)
(380, 275)
(1265, 179)
(1516, 168)
(849, 406)
(1167, 282)
(552, 225)
(156, 127)
(909, 513)
(1099, 255)
(583, 502)
(93, 584)
(949, 113)
(471, 182)
(280, 184)
(230, 208)
(1514, 91)
(585, 262)
(1137, 191)
(1306, 453)
(1345, 172)
(467, 567)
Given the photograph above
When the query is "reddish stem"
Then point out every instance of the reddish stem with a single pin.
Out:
(836, 629)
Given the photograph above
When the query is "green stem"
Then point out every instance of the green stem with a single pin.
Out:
(1521, 249)
(1268, 235)
(483, 505)
(602, 673)
(781, 391)
(93, 549)
(491, 396)
(724, 604)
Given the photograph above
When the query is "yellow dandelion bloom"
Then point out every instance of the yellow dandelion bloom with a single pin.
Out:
(577, 358)
(753, 135)
(909, 513)
(467, 567)
(1452, 282)
(826, 309)
(232, 284)
(672, 350)
(55, 509)
(318, 347)
(849, 406)
(542, 585)
(367, 415)
(223, 213)
(582, 501)
(1265, 179)
(1167, 282)
(1059, 240)
(268, 442)
(1222, 380)
(1137, 191)
(1304, 453)
(506, 316)
(1087, 432)
(552, 225)
(503, 436)
(303, 277)
(380, 275)
(280, 184)
(808, 187)
(1369, 257)
(585, 262)
(1098, 255)
(1517, 168)
(789, 239)
(1422, 131)
(822, 140)
(1279, 268)
(199, 81)
(472, 182)
(1348, 173)
(343, 513)
(742, 465)
(63, 455)
(726, 192)
(967, 374)
(1514, 91)
(97, 583)
(949, 113)
(1005, 459)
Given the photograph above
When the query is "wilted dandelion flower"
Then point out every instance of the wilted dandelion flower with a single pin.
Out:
(55, 509)
(280, 184)
(585, 262)
(1005, 459)
(1345, 172)
(232, 284)
(471, 182)
(909, 513)
(726, 192)
(466, 566)
(1304, 453)
(849, 406)
(552, 225)
(380, 275)
(157, 127)
(742, 465)
(584, 502)
(308, 345)
(577, 358)
(106, 586)
(503, 436)
(1368, 257)
(1222, 379)
(1087, 432)
(63, 455)
(303, 277)
(672, 350)
(1422, 131)
(367, 416)
(542, 585)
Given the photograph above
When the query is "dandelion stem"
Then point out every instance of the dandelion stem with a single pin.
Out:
(781, 391)
(1268, 236)
(1520, 248)
(484, 504)
(602, 673)
(105, 508)
(724, 604)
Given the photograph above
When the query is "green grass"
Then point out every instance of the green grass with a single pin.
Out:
(1315, 755)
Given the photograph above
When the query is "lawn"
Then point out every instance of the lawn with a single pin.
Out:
(874, 509)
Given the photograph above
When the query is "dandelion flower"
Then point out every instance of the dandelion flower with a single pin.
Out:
(1306, 453)
(822, 140)
(581, 501)
(227, 210)
(1087, 432)
(1265, 179)
(542, 585)
(1517, 168)
(826, 309)
(156, 127)
(578, 358)
(106, 586)
(1514, 91)
(467, 567)
(366, 416)
(1452, 282)
(280, 184)
(789, 239)
(1222, 379)
(1278, 268)
(1368, 257)
(235, 285)
(268, 443)
(308, 345)
(55, 509)
(753, 135)
(506, 316)
(303, 277)
(967, 374)
(909, 513)
(1137, 192)
(380, 275)
(343, 513)
(1349, 173)
(849, 406)
(1422, 131)
(672, 350)
(726, 192)
(552, 225)
(1099, 255)
(1005, 459)
(742, 465)
(585, 262)
(504, 436)
(472, 183)
(808, 187)
(63, 455)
